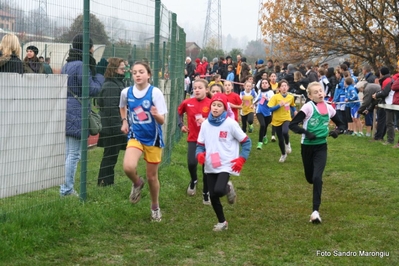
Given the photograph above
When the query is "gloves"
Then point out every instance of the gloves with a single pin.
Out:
(237, 164)
(201, 157)
(333, 134)
(310, 135)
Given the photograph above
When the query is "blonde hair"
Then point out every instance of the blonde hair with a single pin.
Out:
(312, 85)
(297, 76)
(10, 45)
(203, 81)
(248, 82)
(227, 81)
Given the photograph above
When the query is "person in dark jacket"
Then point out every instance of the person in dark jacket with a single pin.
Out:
(311, 74)
(32, 63)
(111, 137)
(332, 79)
(10, 48)
(73, 128)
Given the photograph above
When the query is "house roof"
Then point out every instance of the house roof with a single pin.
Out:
(189, 44)
(5, 14)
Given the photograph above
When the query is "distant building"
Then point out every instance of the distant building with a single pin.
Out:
(150, 40)
(7, 21)
(192, 49)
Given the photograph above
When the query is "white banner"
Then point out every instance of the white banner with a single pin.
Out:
(32, 132)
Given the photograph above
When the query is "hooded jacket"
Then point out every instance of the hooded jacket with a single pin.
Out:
(74, 70)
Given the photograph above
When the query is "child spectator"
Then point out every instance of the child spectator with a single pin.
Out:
(339, 98)
(352, 98)
(216, 79)
(230, 71)
(263, 113)
(314, 142)
(218, 149)
(143, 109)
(233, 98)
(247, 96)
(282, 104)
(197, 110)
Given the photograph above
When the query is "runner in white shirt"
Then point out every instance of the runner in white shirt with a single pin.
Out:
(218, 146)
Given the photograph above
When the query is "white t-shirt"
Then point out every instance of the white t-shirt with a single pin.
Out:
(157, 98)
(223, 142)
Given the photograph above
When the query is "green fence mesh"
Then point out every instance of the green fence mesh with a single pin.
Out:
(131, 30)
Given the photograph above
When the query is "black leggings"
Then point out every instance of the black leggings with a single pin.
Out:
(217, 189)
(282, 135)
(264, 121)
(314, 158)
(192, 165)
(247, 118)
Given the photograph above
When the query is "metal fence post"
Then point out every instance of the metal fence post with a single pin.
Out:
(85, 99)
(157, 29)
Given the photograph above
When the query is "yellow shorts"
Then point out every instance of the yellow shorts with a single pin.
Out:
(152, 154)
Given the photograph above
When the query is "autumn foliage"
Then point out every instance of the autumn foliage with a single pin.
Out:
(367, 30)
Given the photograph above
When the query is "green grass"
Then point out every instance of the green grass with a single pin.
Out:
(268, 225)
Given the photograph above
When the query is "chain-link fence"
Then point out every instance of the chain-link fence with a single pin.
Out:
(35, 109)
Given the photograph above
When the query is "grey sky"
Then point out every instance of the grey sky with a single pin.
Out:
(239, 18)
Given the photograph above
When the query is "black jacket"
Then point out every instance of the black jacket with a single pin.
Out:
(11, 64)
(108, 101)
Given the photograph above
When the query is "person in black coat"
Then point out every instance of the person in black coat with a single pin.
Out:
(111, 137)
(10, 48)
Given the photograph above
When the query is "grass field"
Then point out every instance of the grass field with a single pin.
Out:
(269, 224)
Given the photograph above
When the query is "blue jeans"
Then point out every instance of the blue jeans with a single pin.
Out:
(72, 152)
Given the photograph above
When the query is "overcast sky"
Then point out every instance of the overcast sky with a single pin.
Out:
(239, 17)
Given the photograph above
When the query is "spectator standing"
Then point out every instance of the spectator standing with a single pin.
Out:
(10, 48)
(73, 128)
(386, 96)
(367, 106)
(111, 138)
(47, 67)
(310, 73)
(190, 70)
(31, 61)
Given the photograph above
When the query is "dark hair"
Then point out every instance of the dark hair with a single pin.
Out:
(344, 67)
(145, 65)
(217, 85)
(347, 63)
(113, 65)
(348, 81)
(281, 82)
(322, 71)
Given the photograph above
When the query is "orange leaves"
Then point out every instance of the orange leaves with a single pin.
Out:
(362, 28)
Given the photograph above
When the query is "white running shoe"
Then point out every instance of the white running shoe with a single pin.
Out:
(273, 139)
(135, 193)
(221, 226)
(288, 148)
(156, 215)
(205, 199)
(191, 192)
(283, 158)
(315, 217)
(231, 195)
